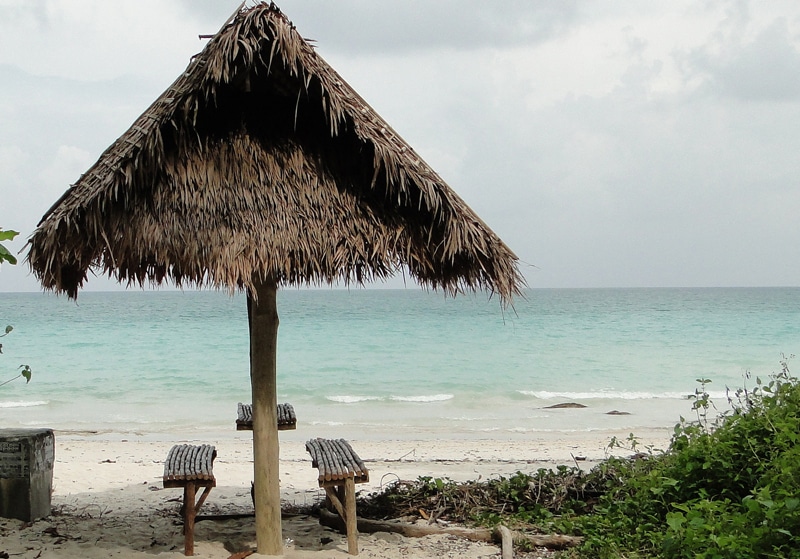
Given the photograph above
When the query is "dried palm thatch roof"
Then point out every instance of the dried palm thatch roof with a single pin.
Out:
(260, 162)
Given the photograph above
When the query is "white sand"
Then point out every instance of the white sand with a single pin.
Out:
(108, 499)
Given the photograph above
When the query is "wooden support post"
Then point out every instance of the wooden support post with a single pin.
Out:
(263, 320)
(189, 513)
(350, 520)
(202, 499)
(333, 500)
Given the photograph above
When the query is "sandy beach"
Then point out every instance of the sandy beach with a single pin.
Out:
(108, 498)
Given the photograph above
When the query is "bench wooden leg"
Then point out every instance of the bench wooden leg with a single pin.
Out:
(333, 499)
(190, 510)
(189, 513)
(350, 520)
(343, 499)
(202, 499)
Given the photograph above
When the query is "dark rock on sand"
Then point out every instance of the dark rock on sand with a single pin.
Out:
(615, 412)
(564, 405)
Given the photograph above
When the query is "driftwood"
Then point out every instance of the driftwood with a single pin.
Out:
(550, 541)
(506, 541)
(239, 516)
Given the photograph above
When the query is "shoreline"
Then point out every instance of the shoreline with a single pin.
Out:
(108, 497)
(513, 421)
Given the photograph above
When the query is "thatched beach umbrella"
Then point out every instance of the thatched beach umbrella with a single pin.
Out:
(259, 167)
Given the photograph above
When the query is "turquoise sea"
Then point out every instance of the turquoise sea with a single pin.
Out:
(390, 363)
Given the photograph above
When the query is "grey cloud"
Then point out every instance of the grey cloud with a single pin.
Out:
(766, 69)
(33, 9)
(631, 189)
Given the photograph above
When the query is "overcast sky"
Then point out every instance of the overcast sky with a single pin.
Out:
(609, 144)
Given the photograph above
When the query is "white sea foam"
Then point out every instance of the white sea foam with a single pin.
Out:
(345, 399)
(426, 398)
(24, 404)
(609, 395)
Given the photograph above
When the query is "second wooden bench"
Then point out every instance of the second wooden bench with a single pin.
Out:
(286, 417)
(340, 468)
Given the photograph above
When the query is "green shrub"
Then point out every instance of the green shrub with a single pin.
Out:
(729, 489)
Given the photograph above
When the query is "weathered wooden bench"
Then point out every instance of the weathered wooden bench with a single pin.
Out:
(340, 468)
(190, 467)
(286, 417)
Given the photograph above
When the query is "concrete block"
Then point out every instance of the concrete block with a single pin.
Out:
(26, 473)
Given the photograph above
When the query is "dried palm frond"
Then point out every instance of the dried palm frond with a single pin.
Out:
(261, 162)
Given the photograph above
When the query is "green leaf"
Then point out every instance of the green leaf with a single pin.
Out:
(8, 235)
(9, 328)
(7, 256)
(26, 372)
(675, 520)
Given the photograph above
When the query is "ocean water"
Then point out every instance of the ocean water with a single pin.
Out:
(390, 363)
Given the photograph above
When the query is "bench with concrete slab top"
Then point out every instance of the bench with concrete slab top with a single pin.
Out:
(286, 417)
(340, 468)
(190, 467)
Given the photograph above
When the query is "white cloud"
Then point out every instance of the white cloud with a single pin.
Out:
(385, 28)
(97, 40)
(65, 167)
(12, 160)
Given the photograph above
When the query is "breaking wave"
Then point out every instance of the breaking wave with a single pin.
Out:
(24, 404)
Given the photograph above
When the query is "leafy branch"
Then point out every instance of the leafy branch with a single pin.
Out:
(26, 370)
(25, 373)
(5, 254)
